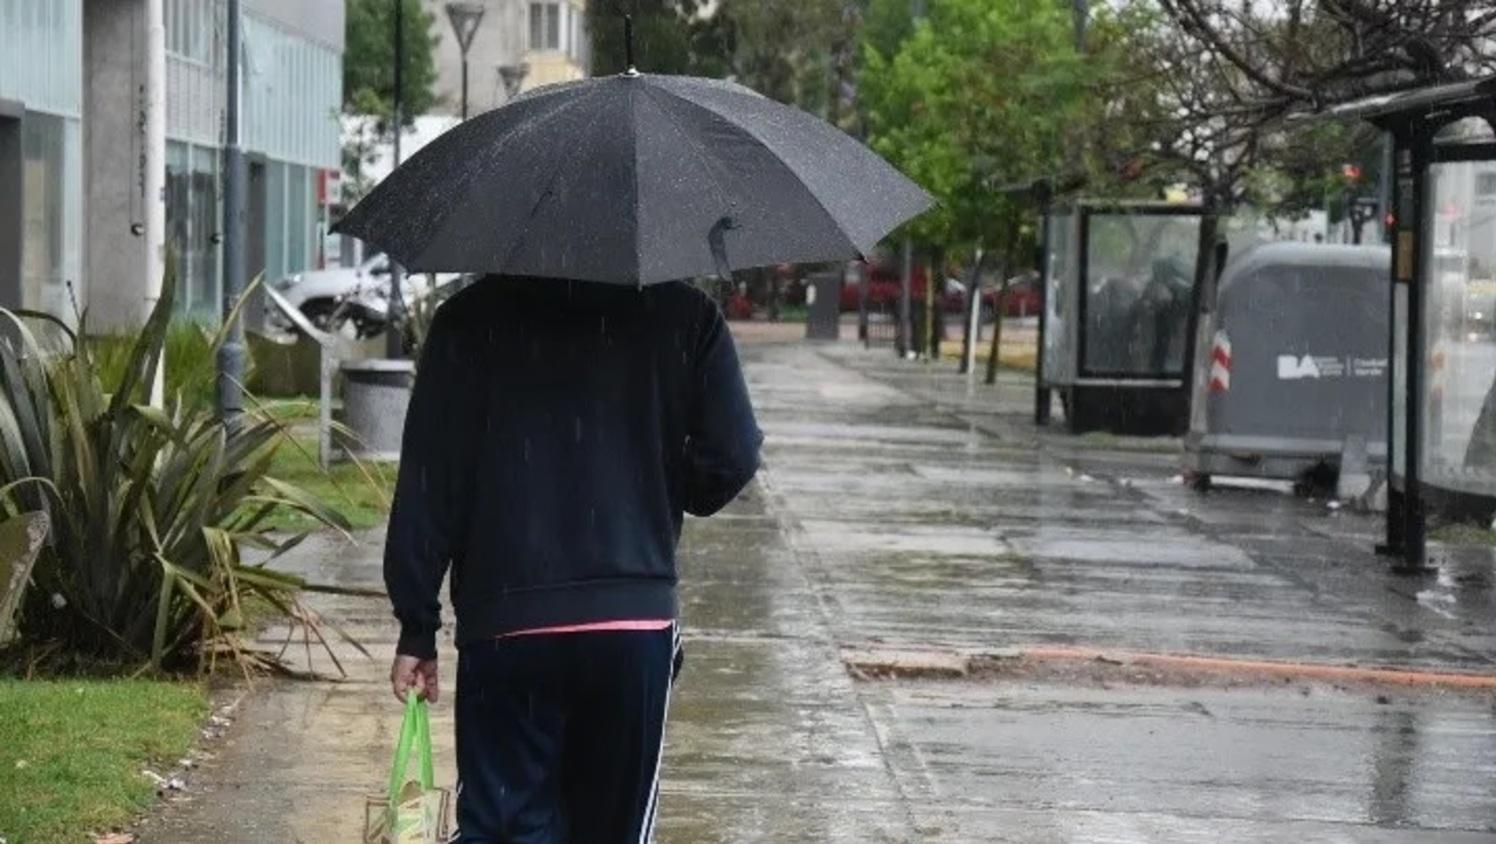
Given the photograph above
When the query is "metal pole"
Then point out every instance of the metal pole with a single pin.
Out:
(906, 324)
(394, 346)
(465, 18)
(931, 344)
(1384, 186)
(153, 180)
(973, 319)
(1399, 189)
(971, 331)
(1415, 557)
(231, 353)
(1043, 402)
(861, 269)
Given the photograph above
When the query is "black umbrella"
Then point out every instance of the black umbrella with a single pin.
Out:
(635, 179)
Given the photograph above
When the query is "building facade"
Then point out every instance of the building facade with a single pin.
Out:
(519, 45)
(72, 75)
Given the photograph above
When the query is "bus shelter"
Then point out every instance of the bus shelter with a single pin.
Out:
(1119, 288)
(1442, 401)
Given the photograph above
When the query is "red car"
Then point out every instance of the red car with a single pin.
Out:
(883, 292)
(1020, 300)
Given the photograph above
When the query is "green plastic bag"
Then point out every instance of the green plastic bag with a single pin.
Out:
(414, 810)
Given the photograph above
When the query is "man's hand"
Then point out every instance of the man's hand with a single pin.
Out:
(411, 672)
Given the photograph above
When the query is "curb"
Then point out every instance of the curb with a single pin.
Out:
(932, 663)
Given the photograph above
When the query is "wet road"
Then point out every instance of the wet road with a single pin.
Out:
(895, 509)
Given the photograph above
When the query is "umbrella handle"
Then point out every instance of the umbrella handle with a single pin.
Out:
(718, 244)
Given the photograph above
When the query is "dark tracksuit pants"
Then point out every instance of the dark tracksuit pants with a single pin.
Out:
(559, 736)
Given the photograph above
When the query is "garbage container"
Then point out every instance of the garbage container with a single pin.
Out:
(823, 303)
(376, 394)
(1296, 363)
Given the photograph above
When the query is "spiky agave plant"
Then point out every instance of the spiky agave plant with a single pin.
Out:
(151, 507)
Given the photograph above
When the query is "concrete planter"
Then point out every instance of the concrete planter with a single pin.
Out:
(376, 394)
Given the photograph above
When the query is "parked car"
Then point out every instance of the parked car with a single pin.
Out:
(1020, 300)
(883, 292)
(352, 300)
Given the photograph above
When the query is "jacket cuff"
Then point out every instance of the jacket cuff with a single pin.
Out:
(417, 643)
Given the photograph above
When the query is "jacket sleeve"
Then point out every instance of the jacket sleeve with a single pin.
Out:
(432, 490)
(723, 438)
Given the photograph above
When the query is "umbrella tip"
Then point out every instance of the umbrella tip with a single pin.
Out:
(628, 46)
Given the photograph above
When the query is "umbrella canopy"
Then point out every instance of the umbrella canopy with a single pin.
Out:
(635, 179)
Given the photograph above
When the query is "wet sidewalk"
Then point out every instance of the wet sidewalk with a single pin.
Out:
(895, 511)
(768, 740)
(938, 518)
(930, 518)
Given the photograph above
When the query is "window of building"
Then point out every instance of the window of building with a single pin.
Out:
(1485, 184)
(545, 26)
(192, 220)
(190, 28)
(299, 218)
(42, 214)
(275, 221)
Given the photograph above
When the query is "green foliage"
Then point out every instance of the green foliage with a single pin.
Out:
(1302, 169)
(979, 95)
(784, 49)
(361, 491)
(369, 60)
(72, 752)
(886, 25)
(191, 361)
(670, 36)
(150, 507)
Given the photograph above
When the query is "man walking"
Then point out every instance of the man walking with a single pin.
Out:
(556, 434)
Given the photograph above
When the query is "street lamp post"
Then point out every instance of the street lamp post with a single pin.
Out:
(395, 320)
(465, 18)
(512, 76)
(231, 354)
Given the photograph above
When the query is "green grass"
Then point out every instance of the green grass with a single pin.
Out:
(71, 752)
(360, 492)
(794, 313)
(1464, 534)
(289, 410)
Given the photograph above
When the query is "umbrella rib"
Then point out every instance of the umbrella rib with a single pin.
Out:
(555, 173)
(706, 162)
(754, 138)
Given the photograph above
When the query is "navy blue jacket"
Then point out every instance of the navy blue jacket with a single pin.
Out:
(556, 433)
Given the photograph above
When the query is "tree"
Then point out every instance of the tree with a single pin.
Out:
(670, 36)
(976, 96)
(369, 60)
(785, 49)
(1228, 72)
(886, 25)
(369, 81)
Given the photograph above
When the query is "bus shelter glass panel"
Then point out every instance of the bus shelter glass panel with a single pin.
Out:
(1140, 274)
(1059, 286)
(1459, 393)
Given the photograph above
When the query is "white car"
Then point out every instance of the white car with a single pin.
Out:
(353, 301)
